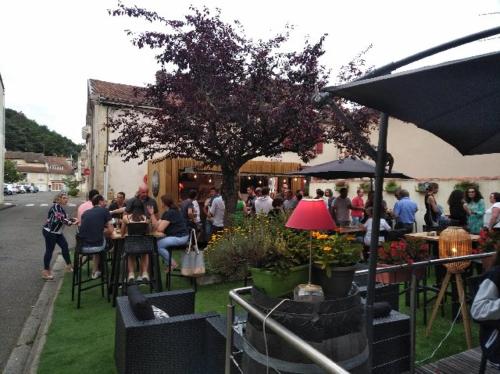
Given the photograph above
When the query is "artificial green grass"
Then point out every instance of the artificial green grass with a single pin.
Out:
(82, 340)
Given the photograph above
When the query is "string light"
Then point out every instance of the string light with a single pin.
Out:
(260, 182)
(295, 179)
(195, 176)
(249, 177)
(210, 180)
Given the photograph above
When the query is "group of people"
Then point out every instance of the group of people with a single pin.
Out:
(96, 221)
(466, 209)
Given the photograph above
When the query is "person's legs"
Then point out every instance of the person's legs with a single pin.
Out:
(131, 265)
(50, 244)
(63, 244)
(144, 264)
(170, 241)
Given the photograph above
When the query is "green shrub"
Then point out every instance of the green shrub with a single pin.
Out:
(465, 185)
(392, 187)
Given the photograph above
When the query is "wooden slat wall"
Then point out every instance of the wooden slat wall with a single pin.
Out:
(169, 172)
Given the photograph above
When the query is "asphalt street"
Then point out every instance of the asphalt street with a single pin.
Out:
(21, 261)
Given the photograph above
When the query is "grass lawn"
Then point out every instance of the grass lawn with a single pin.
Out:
(82, 341)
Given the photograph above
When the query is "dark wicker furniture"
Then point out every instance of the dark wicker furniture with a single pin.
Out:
(183, 343)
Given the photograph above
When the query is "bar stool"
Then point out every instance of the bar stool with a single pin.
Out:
(137, 245)
(78, 262)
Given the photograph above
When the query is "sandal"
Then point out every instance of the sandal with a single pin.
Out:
(46, 275)
(173, 266)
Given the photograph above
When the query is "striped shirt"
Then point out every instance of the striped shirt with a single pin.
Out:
(56, 219)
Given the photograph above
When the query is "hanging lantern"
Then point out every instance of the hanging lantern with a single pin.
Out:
(454, 242)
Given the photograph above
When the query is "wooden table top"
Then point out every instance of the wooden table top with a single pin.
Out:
(117, 234)
(426, 236)
(349, 229)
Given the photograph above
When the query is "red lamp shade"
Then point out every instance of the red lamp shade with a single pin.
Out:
(311, 214)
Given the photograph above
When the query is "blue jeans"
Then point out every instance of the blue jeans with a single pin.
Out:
(170, 241)
(51, 240)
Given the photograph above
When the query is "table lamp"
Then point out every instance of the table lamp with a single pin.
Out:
(311, 215)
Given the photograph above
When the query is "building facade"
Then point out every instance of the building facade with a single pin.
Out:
(45, 172)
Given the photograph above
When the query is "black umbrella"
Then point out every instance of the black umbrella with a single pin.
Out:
(346, 168)
(459, 101)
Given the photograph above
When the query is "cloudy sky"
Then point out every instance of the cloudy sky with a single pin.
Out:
(50, 48)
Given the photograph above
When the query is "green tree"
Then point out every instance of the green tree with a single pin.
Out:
(25, 135)
(72, 185)
(10, 173)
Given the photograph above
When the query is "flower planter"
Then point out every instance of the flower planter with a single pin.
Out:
(338, 284)
(276, 286)
(398, 276)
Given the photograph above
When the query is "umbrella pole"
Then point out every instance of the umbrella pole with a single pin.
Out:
(377, 204)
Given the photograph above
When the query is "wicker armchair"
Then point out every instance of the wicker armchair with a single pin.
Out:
(183, 343)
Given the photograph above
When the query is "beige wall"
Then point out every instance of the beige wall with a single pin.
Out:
(41, 180)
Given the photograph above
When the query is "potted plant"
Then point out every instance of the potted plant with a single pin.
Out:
(391, 187)
(335, 257)
(274, 255)
(401, 252)
(341, 184)
(489, 241)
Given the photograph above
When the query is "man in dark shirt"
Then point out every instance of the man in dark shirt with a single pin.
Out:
(96, 222)
(187, 209)
(142, 195)
(118, 206)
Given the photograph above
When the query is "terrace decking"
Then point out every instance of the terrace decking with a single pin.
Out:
(465, 362)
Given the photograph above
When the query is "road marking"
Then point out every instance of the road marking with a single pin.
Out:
(71, 204)
(29, 204)
(8, 204)
(44, 204)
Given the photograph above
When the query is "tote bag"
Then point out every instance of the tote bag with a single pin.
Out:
(193, 263)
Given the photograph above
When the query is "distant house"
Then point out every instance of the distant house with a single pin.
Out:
(106, 171)
(2, 132)
(45, 172)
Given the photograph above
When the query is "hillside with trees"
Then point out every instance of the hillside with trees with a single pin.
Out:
(26, 135)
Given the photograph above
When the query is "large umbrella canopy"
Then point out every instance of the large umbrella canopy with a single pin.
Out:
(343, 169)
(459, 101)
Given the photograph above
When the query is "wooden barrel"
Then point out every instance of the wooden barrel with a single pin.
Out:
(334, 327)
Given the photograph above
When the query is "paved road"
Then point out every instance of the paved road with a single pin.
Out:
(21, 255)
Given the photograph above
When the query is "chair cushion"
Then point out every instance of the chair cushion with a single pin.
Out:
(141, 306)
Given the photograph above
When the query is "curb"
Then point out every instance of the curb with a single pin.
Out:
(25, 356)
(5, 206)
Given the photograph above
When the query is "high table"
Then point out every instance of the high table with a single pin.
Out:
(118, 240)
(350, 229)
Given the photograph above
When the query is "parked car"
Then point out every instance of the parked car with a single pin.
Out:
(20, 189)
(34, 189)
(15, 189)
(7, 190)
(28, 188)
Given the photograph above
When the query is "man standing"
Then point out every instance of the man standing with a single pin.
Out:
(290, 201)
(404, 212)
(188, 211)
(217, 212)
(264, 203)
(96, 222)
(145, 199)
(250, 203)
(341, 207)
(358, 206)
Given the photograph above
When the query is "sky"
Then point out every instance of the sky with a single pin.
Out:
(49, 49)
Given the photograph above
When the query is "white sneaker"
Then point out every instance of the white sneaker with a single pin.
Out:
(96, 274)
(145, 277)
(131, 277)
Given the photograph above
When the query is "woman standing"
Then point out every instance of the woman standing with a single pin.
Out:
(475, 210)
(431, 217)
(492, 215)
(173, 225)
(456, 202)
(53, 233)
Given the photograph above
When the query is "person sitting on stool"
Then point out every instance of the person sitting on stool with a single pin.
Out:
(173, 225)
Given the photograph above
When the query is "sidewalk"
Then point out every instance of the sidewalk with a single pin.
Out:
(25, 356)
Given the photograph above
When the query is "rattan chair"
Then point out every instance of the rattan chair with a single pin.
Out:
(183, 343)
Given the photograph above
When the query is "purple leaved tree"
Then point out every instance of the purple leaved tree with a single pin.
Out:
(224, 99)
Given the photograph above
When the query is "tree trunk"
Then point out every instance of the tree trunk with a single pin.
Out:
(230, 189)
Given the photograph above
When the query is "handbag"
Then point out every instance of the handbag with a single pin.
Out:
(193, 262)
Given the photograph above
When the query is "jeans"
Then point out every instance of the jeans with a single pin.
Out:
(93, 250)
(356, 221)
(170, 241)
(51, 240)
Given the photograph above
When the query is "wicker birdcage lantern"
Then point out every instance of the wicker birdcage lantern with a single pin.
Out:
(453, 242)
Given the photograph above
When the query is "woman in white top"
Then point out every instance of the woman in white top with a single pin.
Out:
(492, 215)
(384, 226)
